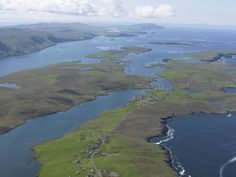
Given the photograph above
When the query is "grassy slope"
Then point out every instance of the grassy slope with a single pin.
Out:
(24, 39)
(126, 152)
(58, 87)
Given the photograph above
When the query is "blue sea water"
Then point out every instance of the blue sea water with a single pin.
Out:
(202, 145)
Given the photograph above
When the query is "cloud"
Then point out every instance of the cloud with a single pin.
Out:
(113, 8)
(76, 7)
(148, 11)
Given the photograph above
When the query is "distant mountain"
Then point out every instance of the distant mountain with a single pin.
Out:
(25, 39)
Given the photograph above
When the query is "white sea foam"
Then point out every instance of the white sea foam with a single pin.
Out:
(222, 168)
(178, 167)
(182, 171)
(170, 136)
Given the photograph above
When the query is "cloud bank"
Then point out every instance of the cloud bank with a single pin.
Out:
(113, 8)
(147, 11)
(76, 7)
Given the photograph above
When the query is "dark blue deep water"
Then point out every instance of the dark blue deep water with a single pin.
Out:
(204, 145)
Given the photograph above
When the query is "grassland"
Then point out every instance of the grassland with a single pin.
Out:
(118, 54)
(59, 87)
(116, 143)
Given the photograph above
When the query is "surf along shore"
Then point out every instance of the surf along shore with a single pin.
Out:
(122, 136)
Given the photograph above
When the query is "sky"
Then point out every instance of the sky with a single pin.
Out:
(201, 12)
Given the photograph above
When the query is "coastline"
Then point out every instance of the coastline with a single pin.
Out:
(107, 92)
(220, 56)
(169, 154)
(41, 49)
(106, 34)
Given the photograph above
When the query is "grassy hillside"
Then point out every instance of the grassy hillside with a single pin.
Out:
(24, 39)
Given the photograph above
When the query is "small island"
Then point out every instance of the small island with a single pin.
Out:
(118, 54)
(177, 43)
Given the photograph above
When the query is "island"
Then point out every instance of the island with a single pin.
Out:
(118, 54)
(177, 43)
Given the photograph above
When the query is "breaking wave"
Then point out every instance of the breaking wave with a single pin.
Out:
(170, 136)
(176, 165)
(222, 168)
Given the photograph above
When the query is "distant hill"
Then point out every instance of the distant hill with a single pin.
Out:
(24, 39)
(141, 28)
(148, 26)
